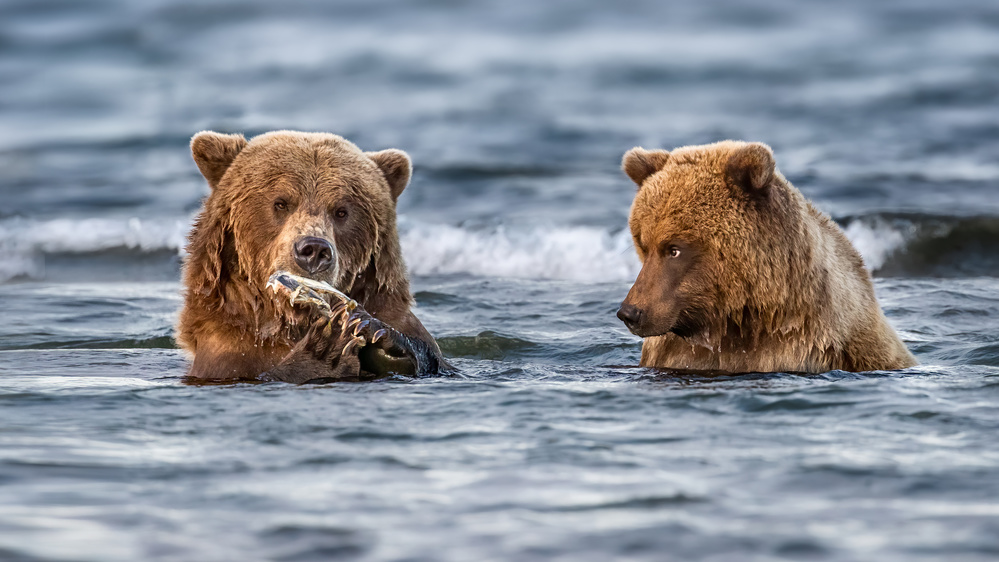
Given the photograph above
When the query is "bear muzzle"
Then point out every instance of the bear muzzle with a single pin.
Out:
(631, 315)
(314, 255)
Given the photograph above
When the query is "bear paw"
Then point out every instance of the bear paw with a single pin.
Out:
(345, 343)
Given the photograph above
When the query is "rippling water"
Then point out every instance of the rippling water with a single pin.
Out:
(549, 444)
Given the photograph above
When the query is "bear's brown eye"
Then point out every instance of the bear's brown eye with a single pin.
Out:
(340, 213)
(280, 205)
(674, 252)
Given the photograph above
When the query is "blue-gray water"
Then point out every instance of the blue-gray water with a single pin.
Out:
(548, 446)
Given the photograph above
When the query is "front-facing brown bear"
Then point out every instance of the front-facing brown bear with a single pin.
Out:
(740, 273)
(314, 205)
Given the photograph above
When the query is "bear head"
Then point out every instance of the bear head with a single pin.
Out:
(714, 227)
(312, 204)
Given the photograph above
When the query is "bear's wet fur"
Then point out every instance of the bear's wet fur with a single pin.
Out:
(268, 194)
(740, 273)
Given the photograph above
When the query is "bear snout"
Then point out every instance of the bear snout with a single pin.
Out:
(314, 254)
(631, 315)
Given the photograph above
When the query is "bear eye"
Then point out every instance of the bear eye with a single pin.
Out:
(340, 213)
(674, 252)
(280, 205)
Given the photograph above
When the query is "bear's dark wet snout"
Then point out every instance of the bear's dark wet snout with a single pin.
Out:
(630, 314)
(313, 254)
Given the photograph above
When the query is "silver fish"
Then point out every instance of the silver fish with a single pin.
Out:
(303, 290)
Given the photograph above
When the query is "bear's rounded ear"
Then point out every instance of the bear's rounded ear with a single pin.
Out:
(751, 168)
(214, 152)
(396, 167)
(639, 163)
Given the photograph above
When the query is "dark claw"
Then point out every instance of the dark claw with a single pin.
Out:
(393, 343)
(356, 342)
(361, 326)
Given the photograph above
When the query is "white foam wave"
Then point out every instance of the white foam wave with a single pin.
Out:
(24, 242)
(576, 253)
(876, 241)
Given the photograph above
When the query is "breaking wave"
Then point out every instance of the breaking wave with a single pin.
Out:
(919, 245)
(28, 246)
(576, 253)
(891, 244)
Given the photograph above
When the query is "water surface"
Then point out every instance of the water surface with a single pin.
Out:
(549, 444)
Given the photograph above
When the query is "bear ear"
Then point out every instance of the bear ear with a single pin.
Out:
(639, 163)
(397, 168)
(751, 168)
(214, 152)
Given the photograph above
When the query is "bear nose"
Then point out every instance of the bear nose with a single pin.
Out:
(314, 254)
(630, 315)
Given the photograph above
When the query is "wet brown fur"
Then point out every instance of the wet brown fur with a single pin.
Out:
(235, 327)
(776, 285)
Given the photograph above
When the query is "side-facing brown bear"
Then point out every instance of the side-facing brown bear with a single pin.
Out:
(740, 273)
(315, 205)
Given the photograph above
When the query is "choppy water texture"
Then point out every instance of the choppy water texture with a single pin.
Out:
(548, 446)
